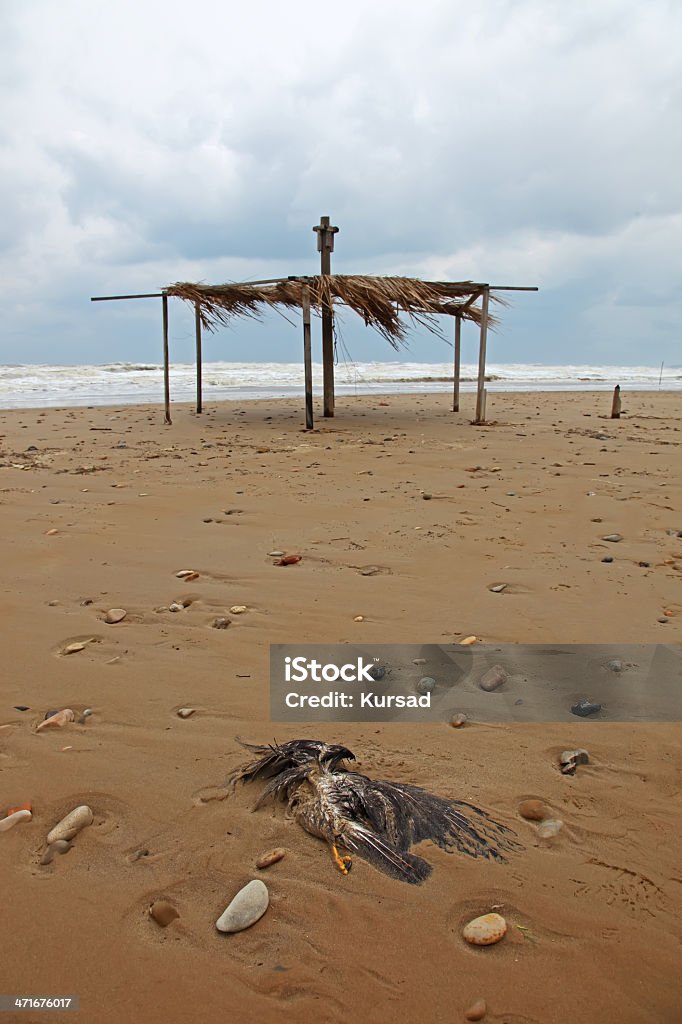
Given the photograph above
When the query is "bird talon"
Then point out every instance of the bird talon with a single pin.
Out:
(344, 864)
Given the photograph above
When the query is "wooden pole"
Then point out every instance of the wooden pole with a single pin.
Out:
(458, 352)
(166, 367)
(615, 405)
(480, 396)
(197, 332)
(325, 245)
(307, 357)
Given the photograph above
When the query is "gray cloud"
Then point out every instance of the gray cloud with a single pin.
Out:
(524, 142)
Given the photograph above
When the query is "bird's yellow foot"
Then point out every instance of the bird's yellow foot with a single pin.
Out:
(344, 864)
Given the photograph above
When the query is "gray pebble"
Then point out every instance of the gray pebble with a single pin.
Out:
(616, 665)
(607, 558)
(493, 679)
(427, 684)
(584, 708)
(246, 908)
(377, 672)
(613, 537)
(221, 622)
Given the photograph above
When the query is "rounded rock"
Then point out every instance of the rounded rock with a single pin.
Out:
(270, 858)
(427, 684)
(616, 665)
(59, 846)
(476, 1011)
(72, 824)
(115, 615)
(185, 712)
(549, 829)
(493, 679)
(247, 907)
(613, 538)
(13, 819)
(458, 721)
(238, 609)
(533, 810)
(485, 930)
(221, 622)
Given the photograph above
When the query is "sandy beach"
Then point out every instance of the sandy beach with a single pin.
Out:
(101, 507)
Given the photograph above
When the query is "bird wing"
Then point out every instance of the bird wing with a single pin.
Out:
(405, 815)
(276, 758)
(399, 864)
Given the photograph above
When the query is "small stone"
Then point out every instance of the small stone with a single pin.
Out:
(419, 661)
(270, 858)
(616, 665)
(176, 607)
(74, 648)
(663, 620)
(426, 496)
(607, 558)
(186, 574)
(288, 560)
(71, 825)
(247, 907)
(458, 721)
(359, 618)
(115, 615)
(498, 588)
(51, 533)
(427, 684)
(570, 759)
(549, 829)
(585, 708)
(377, 672)
(21, 707)
(644, 565)
(207, 520)
(238, 609)
(370, 570)
(275, 554)
(220, 622)
(468, 641)
(476, 1011)
(59, 846)
(138, 855)
(86, 713)
(485, 930)
(533, 810)
(163, 912)
(10, 820)
(613, 538)
(493, 679)
(185, 712)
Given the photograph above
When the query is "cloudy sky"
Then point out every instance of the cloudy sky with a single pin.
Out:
(512, 141)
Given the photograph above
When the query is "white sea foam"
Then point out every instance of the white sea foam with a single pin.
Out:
(128, 383)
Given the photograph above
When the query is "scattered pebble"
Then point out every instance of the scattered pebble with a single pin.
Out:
(476, 1011)
(51, 533)
(498, 588)
(485, 930)
(59, 719)
(570, 759)
(59, 846)
(13, 819)
(614, 538)
(426, 496)
(247, 907)
(275, 554)
(238, 609)
(21, 707)
(138, 855)
(427, 684)
(419, 661)
(187, 574)
(370, 570)
(607, 558)
(663, 620)
(176, 607)
(616, 665)
(533, 810)
(220, 622)
(584, 708)
(458, 721)
(377, 672)
(115, 615)
(549, 829)
(73, 648)
(493, 679)
(87, 712)
(185, 712)
(71, 825)
(467, 641)
(163, 912)
(359, 618)
(270, 858)
(288, 560)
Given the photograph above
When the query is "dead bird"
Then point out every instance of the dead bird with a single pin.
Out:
(377, 820)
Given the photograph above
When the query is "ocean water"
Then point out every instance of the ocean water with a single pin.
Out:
(133, 383)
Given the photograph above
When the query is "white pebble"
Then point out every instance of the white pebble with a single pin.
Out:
(71, 825)
(13, 819)
(485, 930)
(246, 908)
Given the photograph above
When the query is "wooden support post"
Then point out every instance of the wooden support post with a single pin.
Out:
(197, 331)
(307, 357)
(458, 353)
(615, 405)
(480, 392)
(325, 246)
(166, 367)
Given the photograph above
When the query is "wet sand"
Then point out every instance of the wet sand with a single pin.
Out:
(594, 915)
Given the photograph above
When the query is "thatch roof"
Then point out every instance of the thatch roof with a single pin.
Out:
(378, 300)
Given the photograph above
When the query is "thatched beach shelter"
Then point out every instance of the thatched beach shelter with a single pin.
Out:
(389, 305)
